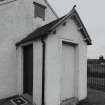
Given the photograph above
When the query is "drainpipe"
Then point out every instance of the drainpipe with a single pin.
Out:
(43, 71)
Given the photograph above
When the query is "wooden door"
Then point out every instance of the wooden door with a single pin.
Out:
(28, 69)
(68, 53)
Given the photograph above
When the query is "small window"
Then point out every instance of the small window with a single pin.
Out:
(39, 11)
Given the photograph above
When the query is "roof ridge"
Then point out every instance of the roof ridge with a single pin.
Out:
(66, 16)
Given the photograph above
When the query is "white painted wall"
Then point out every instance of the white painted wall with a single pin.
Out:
(70, 33)
(16, 22)
(52, 68)
(37, 72)
(14, 25)
(54, 63)
(82, 89)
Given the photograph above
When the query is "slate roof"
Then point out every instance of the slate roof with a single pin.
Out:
(40, 32)
(46, 29)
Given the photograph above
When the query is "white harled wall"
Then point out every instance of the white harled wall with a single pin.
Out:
(54, 65)
(52, 69)
(70, 33)
(37, 72)
(16, 22)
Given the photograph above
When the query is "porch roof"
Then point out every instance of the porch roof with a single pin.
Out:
(46, 29)
(40, 32)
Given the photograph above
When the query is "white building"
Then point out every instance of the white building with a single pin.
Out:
(41, 54)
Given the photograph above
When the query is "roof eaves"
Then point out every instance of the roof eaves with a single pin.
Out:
(70, 14)
(62, 20)
(40, 32)
(88, 39)
(51, 8)
(31, 39)
(51, 26)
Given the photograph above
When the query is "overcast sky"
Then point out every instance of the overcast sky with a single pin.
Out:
(93, 16)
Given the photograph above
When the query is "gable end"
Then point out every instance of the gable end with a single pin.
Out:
(75, 16)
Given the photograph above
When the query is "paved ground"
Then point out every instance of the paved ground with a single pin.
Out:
(96, 97)
(26, 97)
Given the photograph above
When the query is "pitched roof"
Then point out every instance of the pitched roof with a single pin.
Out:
(40, 32)
(51, 8)
(46, 29)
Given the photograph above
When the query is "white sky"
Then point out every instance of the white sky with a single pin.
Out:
(93, 16)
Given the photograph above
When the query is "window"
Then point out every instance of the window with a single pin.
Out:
(39, 10)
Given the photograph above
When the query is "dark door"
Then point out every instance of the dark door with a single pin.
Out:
(28, 69)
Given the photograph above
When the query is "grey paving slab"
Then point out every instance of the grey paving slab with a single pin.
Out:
(27, 97)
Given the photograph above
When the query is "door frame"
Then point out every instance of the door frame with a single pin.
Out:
(37, 47)
(76, 72)
(20, 65)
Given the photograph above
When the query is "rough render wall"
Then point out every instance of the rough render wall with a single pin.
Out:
(54, 66)
(37, 84)
(82, 72)
(70, 33)
(13, 22)
(16, 21)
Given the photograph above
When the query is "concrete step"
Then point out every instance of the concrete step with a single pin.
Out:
(28, 97)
